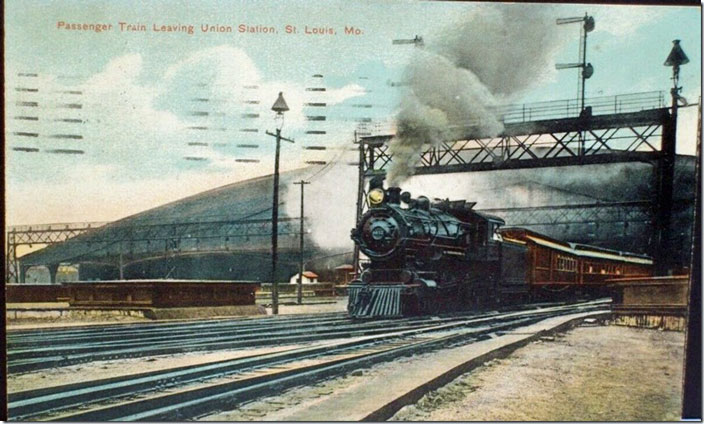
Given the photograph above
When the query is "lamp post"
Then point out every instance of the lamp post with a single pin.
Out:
(666, 165)
(279, 107)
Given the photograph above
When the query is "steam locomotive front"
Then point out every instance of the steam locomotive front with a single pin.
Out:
(381, 236)
(400, 242)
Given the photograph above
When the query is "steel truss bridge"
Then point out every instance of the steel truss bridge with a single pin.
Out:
(619, 129)
(121, 244)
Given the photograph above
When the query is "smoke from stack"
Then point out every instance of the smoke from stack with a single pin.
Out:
(455, 84)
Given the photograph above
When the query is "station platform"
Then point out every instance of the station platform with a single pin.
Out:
(651, 302)
(61, 313)
(373, 401)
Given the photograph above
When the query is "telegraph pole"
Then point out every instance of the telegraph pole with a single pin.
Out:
(360, 200)
(299, 296)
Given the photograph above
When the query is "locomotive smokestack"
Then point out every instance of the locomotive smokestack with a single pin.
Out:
(394, 195)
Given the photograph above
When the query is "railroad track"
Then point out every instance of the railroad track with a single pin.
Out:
(31, 352)
(188, 392)
(54, 336)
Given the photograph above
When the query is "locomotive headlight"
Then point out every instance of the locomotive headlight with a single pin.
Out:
(375, 197)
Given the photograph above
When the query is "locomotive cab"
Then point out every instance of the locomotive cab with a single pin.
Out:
(486, 238)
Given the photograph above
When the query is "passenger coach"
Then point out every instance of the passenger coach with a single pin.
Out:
(554, 264)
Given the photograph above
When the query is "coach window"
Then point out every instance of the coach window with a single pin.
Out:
(495, 232)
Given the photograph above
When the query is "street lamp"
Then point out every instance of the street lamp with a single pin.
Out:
(279, 107)
(666, 163)
(676, 58)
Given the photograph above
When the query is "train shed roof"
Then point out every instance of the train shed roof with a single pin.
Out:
(201, 220)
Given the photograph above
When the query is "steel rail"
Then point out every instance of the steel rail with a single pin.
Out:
(42, 333)
(125, 336)
(30, 362)
(192, 402)
(33, 403)
(190, 337)
(28, 348)
(214, 342)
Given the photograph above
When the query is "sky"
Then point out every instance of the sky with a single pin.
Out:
(102, 121)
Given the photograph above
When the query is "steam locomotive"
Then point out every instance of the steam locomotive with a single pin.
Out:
(433, 257)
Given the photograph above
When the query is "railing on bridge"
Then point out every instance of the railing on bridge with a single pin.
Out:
(553, 109)
(569, 108)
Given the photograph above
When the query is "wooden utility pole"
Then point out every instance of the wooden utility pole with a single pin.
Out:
(360, 200)
(299, 295)
(275, 223)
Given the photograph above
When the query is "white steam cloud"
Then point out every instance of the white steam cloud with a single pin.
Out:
(330, 205)
(454, 85)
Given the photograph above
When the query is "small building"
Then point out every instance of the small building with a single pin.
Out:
(344, 274)
(309, 277)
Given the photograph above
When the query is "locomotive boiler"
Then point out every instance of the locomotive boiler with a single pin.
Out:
(430, 257)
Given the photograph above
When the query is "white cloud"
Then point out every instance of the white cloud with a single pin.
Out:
(229, 75)
(135, 141)
(347, 92)
(123, 125)
(224, 68)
